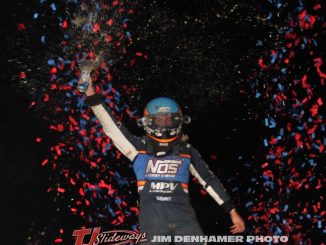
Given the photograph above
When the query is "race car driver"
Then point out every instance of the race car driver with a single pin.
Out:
(163, 162)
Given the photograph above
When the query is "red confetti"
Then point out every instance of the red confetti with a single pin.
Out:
(139, 54)
(58, 240)
(64, 24)
(61, 190)
(46, 98)
(73, 121)
(91, 54)
(109, 22)
(32, 104)
(108, 39)
(21, 27)
(44, 162)
(261, 63)
(96, 27)
(53, 70)
(22, 75)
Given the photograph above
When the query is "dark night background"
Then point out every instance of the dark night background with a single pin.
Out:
(203, 74)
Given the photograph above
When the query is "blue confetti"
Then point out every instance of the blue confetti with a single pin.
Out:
(248, 204)
(51, 62)
(53, 7)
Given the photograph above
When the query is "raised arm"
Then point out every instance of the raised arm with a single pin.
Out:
(125, 142)
(215, 189)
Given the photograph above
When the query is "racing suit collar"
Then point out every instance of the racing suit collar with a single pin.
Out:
(158, 148)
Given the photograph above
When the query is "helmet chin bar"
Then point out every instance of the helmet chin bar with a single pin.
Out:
(163, 132)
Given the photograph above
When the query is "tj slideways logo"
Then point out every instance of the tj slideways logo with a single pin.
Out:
(118, 237)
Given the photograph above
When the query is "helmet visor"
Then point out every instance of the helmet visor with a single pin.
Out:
(163, 119)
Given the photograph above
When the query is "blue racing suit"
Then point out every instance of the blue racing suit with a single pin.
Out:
(162, 171)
